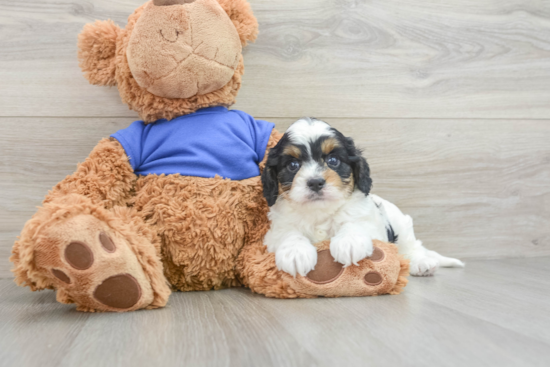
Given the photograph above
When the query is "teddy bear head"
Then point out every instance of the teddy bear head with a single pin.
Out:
(174, 56)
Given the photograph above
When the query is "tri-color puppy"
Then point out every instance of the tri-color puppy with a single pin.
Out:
(318, 187)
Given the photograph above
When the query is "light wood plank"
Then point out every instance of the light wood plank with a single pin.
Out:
(6, 242)
(34, 328)
(464, 58)
(474, 188)
(198, 329)
(407, 330)
(456, 318)
(477, 291)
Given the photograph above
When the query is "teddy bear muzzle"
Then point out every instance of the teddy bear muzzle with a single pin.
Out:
(183, 48)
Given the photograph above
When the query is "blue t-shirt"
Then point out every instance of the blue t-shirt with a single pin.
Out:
(212, 141)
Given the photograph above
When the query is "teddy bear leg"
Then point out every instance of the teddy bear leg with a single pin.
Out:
(102, 260)
(384, 272)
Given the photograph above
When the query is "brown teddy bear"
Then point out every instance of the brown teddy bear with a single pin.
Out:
(174, 202)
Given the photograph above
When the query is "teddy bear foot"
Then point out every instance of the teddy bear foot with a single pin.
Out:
(385, 272)
(92, 265)
(382, 273)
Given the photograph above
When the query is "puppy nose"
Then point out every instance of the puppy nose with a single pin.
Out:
(316, 184)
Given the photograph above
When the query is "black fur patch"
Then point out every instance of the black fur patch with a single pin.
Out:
(276, 171)
(361, 170)
(392, 237)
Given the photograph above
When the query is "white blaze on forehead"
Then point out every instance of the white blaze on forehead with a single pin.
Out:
(306, 131)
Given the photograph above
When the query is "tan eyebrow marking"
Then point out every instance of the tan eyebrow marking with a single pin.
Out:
(293, 150)
(347, 185)
(329, 145)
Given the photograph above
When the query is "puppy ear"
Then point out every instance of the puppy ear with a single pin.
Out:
(97, 50)
(361, 170)
(269, 178)
(270, 185)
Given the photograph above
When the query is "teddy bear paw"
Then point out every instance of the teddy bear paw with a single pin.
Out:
(380, 273)
(94, 266)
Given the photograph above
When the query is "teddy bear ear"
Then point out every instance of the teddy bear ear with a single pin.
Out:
(241, 15)
(97, 50)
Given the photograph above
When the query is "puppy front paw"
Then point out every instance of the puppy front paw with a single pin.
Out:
(298, 257)
(350, 248)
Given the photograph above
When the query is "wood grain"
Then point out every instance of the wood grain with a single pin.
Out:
(492, 313)
(6, 242)
(39, 327)
(344, 58)
(474, 188)
(524, 281)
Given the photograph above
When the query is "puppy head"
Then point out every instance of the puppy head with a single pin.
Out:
(314, 163)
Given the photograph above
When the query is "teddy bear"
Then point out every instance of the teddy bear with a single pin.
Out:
(174, 202)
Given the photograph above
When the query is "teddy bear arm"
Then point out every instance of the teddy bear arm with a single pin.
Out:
(105, 177)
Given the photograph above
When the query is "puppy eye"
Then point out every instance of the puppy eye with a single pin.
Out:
(294, 166)
(332, 161)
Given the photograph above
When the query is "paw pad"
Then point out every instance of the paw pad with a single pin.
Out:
(120, 291)
(373, 278)
(79, 255)
(61, 276)
(377, 255)
(327, 270)
(106, 242)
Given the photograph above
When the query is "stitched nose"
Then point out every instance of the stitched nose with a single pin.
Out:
(316, 184)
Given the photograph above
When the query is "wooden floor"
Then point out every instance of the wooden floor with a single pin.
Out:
(492, 313)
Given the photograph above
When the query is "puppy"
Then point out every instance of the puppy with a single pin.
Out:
(318, 185)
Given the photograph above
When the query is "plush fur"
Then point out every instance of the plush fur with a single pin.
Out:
(259, 272)
(108, 240)
(75, 217)
(178, 52)
(318, 186)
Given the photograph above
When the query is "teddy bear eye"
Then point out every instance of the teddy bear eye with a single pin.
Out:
(332, 161)
(293, 166)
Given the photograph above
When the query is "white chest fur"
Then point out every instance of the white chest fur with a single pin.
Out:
(320, 221)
